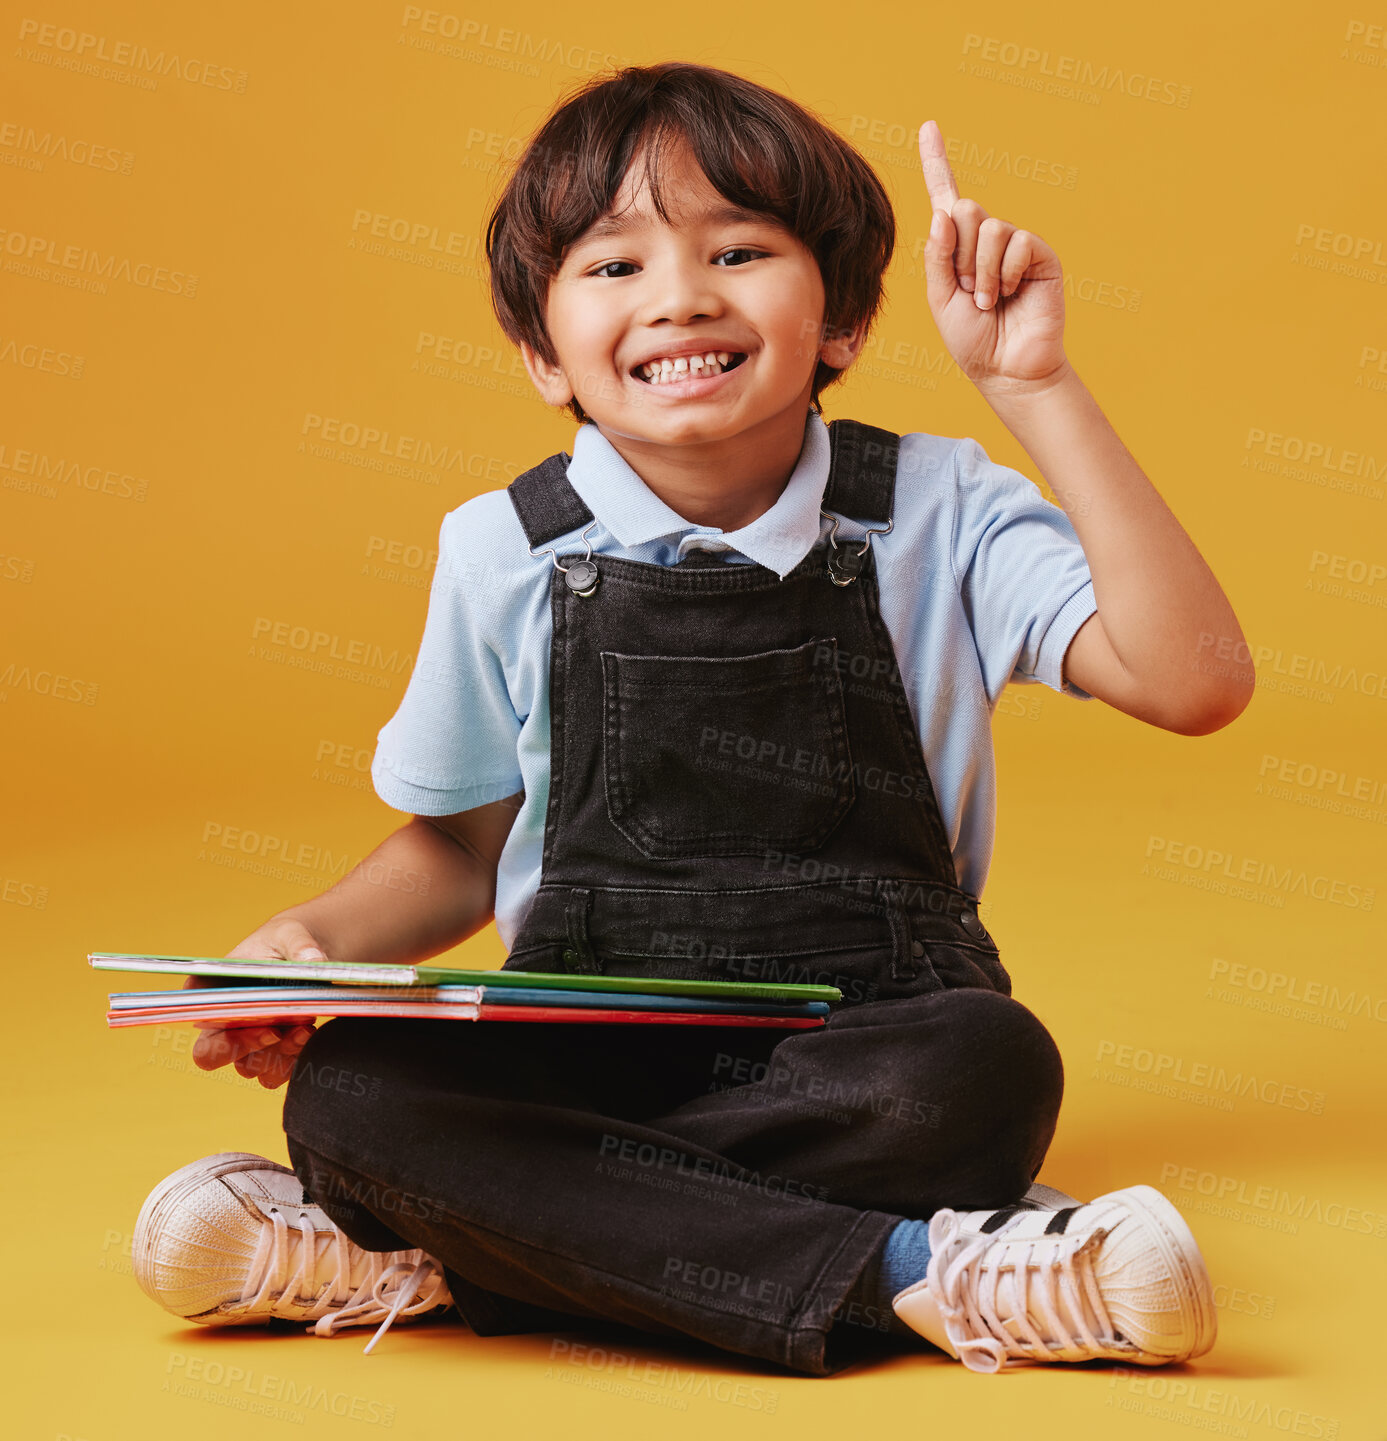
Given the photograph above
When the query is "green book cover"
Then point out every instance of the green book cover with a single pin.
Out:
(363, 973)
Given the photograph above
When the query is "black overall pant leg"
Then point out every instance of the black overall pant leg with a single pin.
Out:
(724, 1183)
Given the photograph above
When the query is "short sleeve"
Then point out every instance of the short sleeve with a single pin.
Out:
(1021, 573)
(451, 745)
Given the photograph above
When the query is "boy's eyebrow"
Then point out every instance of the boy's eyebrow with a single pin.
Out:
(724, 214)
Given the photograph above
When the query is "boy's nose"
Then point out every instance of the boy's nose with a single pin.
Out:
(679, 293)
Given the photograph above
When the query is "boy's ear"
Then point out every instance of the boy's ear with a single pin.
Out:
(548, 379)
(840, 350)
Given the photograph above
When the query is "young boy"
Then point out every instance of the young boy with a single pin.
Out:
(712, 698)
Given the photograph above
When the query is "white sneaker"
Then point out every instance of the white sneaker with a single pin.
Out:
(1119, 1278)
(215, 1240)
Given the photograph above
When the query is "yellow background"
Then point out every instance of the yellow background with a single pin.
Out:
(1196, 178)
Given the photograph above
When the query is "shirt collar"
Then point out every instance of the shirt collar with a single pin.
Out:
(634, 514)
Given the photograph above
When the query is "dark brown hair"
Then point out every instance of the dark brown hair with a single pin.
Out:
(757, 148)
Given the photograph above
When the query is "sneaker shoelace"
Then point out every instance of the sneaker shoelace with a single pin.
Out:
(274, 1292)
(970, 1297)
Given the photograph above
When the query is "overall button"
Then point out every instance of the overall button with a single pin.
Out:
(972, 925)
(917, 949)
(582, 577)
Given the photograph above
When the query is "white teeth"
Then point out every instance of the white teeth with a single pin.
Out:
(658, 372)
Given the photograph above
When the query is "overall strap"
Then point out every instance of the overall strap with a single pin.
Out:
(862, 473)
(545, 501)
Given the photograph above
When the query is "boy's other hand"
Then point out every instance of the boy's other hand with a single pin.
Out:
(996, 292)
(266, 1050)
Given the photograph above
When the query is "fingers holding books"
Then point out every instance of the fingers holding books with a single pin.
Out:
(266, 1050)
(258, 1052)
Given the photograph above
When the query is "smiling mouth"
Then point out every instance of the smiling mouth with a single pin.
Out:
(671, 377)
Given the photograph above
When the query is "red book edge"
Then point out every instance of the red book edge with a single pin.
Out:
(491, 1011)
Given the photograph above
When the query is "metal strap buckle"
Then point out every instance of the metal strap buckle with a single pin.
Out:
(581, 577)
(844, 569)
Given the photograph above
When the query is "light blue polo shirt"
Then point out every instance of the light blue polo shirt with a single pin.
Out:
(982, 582)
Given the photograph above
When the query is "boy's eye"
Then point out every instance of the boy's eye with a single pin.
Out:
(736, 250)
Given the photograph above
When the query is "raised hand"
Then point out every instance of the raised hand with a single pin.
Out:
(996, 292)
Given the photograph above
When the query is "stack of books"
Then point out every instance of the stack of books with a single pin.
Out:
(290, 991)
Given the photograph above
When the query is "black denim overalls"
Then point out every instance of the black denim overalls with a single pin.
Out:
(737, 791)
(737, 787)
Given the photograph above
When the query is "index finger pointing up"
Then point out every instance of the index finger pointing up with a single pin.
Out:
(939, 177)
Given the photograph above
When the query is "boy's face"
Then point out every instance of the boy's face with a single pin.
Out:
(740, 284)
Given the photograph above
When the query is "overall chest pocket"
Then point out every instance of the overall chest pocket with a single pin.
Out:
(726, 755)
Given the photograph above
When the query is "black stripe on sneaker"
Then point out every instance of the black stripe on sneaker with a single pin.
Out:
(1060, 1220)
(998, 1219)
